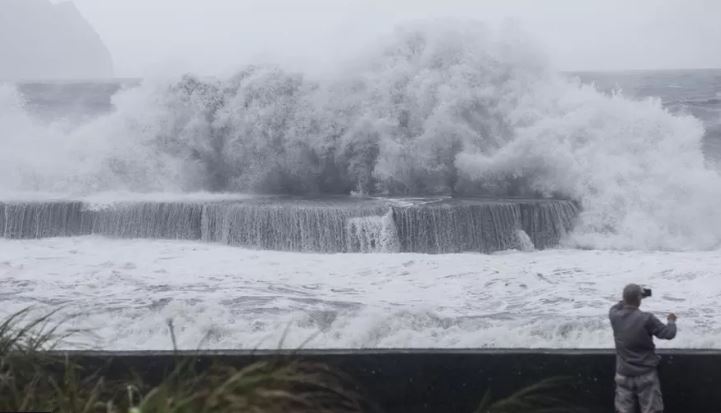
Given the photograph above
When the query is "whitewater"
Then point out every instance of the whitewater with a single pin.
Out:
(122, 293)
(440, 109)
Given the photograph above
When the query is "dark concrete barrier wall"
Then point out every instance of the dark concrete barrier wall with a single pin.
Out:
(448, 381)
(324, 224)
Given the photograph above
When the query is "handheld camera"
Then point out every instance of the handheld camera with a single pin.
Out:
(645, 292)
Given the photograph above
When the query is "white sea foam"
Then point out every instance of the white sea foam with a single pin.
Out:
(440, 106)
(108, 198)
(124, 291)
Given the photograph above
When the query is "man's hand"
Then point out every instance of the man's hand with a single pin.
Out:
(672, 318)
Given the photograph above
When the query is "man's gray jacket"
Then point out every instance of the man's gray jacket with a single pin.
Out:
(633, 332)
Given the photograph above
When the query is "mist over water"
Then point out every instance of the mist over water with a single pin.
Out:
(442, 107)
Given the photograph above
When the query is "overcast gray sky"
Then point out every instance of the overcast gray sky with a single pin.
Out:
(216, 36)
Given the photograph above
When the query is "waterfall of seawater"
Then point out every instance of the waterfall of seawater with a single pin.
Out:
(298, 226)
(470, 225)
(308, 225)
(373, 233)
(41, 219)
(148, 220)
(446, 227)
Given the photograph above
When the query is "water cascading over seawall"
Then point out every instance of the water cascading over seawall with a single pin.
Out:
(166, 220)
(483, 225)
(303, 225)
(42, 219)
(309, 225)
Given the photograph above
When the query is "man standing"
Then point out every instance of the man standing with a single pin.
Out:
(636, 359)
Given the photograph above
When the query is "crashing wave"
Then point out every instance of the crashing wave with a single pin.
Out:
(440, 108)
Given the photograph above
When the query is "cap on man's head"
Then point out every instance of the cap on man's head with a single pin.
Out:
(632, 294)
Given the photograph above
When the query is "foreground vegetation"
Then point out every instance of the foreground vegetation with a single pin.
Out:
(33, 378)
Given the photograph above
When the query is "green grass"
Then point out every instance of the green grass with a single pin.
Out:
(547, 396)
(32, 379)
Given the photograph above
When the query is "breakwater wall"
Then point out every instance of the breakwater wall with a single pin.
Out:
(309, 225)
(444, 381)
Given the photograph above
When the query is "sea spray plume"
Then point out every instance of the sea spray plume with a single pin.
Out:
(638, 171)
(277, 137)
(438, 89)
(21, 163)
(36, 156)
(112, 152)
(394, 125)
(159, 139)
(259, 131)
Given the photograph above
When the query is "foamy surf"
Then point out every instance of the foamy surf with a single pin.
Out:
(220, 297)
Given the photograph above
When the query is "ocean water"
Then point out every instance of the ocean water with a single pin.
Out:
(437, 111)
(123, 292)
(694, 92)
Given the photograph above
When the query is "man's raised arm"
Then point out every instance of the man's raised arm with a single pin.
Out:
(661, 330)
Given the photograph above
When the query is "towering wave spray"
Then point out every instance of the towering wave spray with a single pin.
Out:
(439, 108)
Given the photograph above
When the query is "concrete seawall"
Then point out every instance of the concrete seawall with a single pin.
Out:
(324, 224)
(448, 381)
